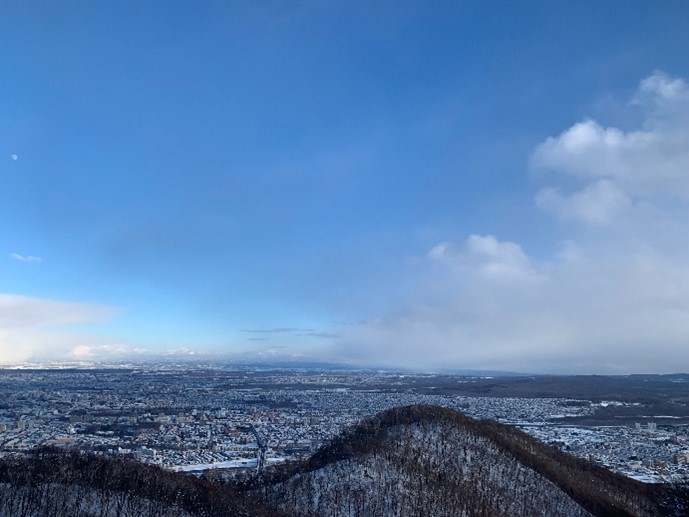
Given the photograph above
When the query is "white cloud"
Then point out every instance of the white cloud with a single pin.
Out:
(487, 257)
(615, 298)
(35, 327)
(583, 313)
(82, 351)
(665, 101)
(25, 258)
(647, 162)
(14, 157)
(599, 203)
(23, 311)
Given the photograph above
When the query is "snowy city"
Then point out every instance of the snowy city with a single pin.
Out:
(196, 419)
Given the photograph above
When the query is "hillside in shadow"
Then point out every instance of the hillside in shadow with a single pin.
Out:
(404, 461)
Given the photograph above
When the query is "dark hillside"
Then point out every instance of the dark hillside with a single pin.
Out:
(71, 484)
(401, 462)
(462, 466)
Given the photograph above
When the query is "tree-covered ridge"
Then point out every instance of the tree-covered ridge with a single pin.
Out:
(411, 461)
(428, 455)
(54, 483)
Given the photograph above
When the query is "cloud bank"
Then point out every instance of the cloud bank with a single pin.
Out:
(613, 299)
(617, 166)
(32, 328)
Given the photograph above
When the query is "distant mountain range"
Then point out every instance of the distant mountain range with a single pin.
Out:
(411, 461)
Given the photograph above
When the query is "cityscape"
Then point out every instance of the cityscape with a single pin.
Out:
(229, 419)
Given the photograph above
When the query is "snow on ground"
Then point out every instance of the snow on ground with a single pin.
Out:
(229, 464)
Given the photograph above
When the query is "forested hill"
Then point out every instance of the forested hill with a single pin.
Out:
(408, 460)
(405, 462)
(53, 483)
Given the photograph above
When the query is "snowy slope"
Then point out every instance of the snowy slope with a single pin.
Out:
(424, 460)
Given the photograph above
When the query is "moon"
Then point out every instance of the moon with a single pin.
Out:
(14, 157)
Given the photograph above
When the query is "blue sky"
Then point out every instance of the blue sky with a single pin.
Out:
(404, 183)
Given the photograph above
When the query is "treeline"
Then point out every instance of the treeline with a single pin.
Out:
(596, 489)
(52, 482)
(405, 461)
(416, 466)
